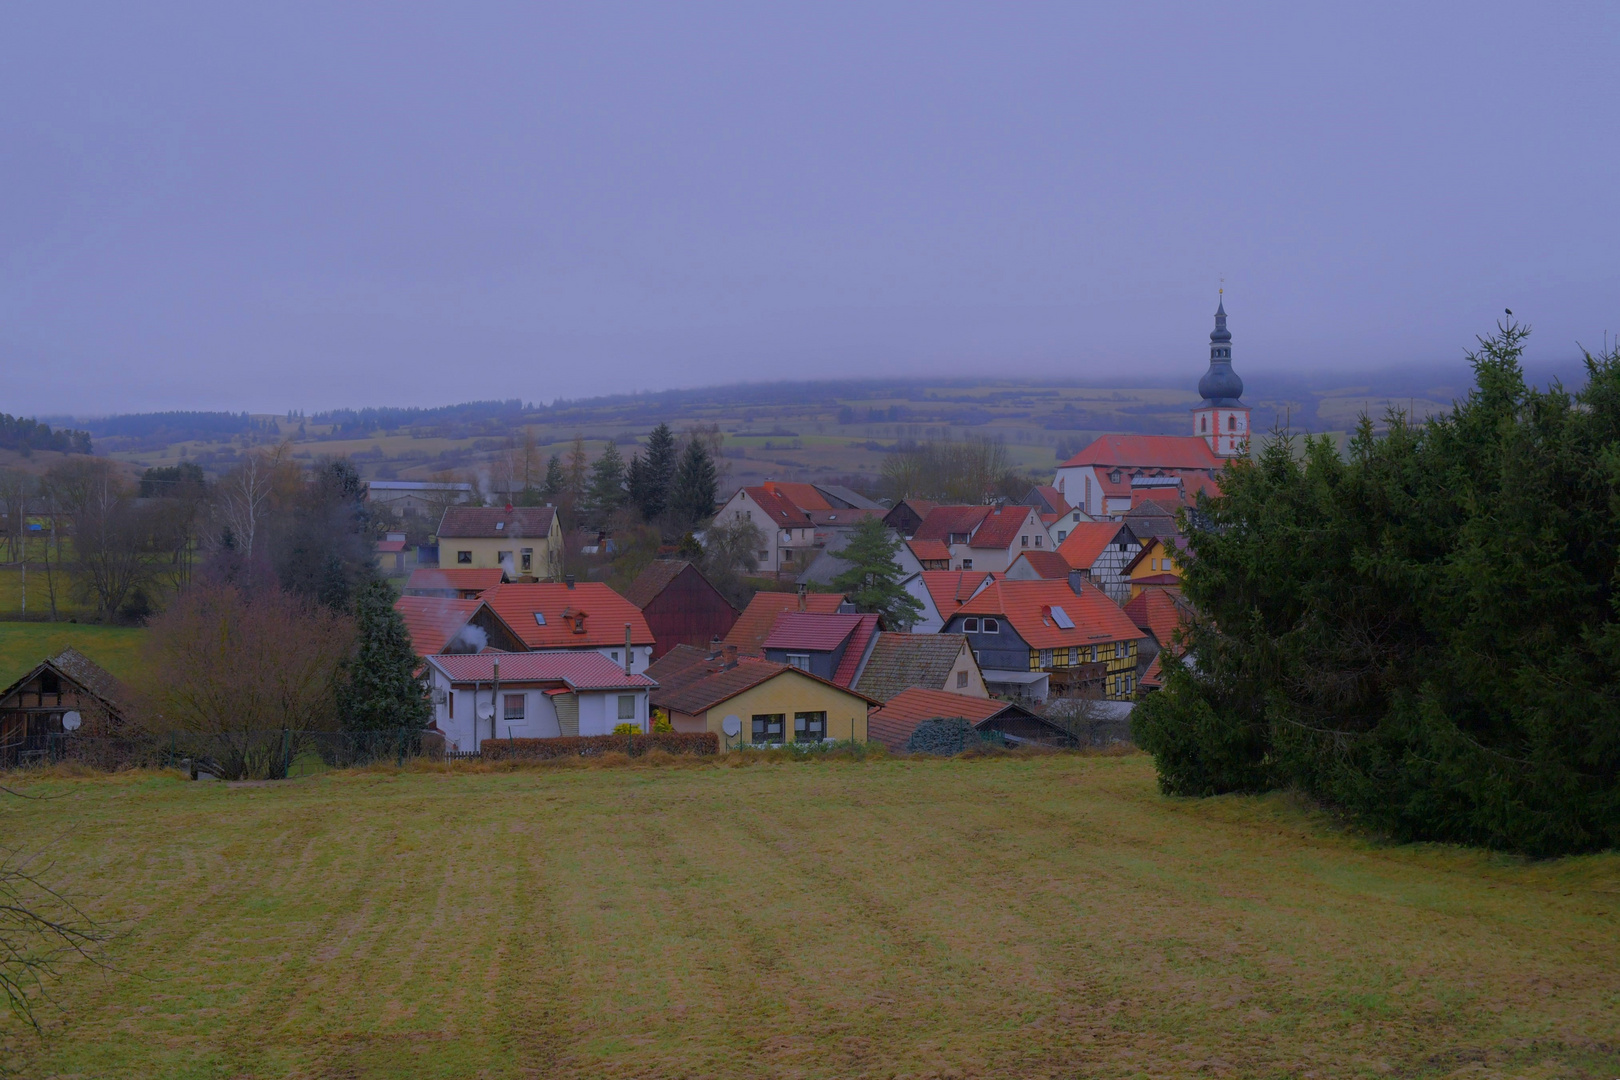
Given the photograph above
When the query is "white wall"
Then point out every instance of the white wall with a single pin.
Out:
(599, 711)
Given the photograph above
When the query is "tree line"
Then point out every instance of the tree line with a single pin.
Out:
(25, 435)
(1423, 632)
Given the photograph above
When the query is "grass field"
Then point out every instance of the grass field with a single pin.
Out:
(1026, 917)
(24, 644)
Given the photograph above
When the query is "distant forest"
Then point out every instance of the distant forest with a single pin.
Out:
(25, 436)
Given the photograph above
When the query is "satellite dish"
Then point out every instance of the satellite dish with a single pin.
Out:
(731, 726)
(71, 721)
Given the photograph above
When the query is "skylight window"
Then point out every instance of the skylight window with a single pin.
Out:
(540, 618)
(1061, 617)
(500, 525)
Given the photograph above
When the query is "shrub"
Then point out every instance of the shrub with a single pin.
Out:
(673, 742)
(944, 736)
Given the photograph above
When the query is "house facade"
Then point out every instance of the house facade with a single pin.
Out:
(478, 696)
(770, 704)
(66, 693)
(526, 541)
(831, 647)
(680, 605)
(787, 535)
(1103, 549)
(587, 617)
(933, 661)
(1158, 564)
(984, 538)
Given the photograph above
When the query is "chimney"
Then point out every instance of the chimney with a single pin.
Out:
(803, 603)
(714, 647)
(730, 654)
(1078, 579)
(569, 580)
(627, 648)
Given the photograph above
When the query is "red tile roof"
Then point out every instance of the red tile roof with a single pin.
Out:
(1161, 612)
(579, 670)
(804, 496)
(782, 511)
(810, 630)
(855, 651)
(459, 580)
(754, 625)
(390, 547)
(1048, 564)
(942, 521)
(1153, 677)
(1088, 540)
(480, 522)
(950, 589)
(893, 724)
(605, 613)
(1054, 498)
(433, 621)
(690, 682)
(1148, 451)
(1027, 606)
(1001, 527)
(654, 580)
(929, 550)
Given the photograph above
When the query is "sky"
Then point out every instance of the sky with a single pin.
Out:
(278, 206)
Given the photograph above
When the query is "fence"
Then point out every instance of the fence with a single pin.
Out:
(245, 755)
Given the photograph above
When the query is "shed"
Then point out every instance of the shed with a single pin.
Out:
(66, 687)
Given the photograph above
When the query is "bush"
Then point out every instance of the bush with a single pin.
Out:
(672, 742)
(944, 736)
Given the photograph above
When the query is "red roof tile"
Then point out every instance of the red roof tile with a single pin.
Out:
(1047, 564)
(950, 589)
(1161, 613)
(754, 625)
(497, 523)
(459, 580)
(1054, 498)
(780, 509)
(1027, 605)
(1087, 541)
(605, 613)
(579, 670)
(929, 550)
(390, 547)
(810, 630)
(893, 724)
(855, 651)
(1002, 527)
(1153, 677)
(690, 682)
(804, 496)
(433, 621)
(1148, 451)
(943, 521)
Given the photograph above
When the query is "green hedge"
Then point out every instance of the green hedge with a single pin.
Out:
(670, 742)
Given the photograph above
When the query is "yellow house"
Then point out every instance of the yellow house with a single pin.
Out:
(525, 541)
(773, 703)
(1158, 563)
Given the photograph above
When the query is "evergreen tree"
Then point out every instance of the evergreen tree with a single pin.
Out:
(578, 472)
(556, 480)
(653, 475)
(383, 690)
(696, 486)
(873, 579)
(606, 493)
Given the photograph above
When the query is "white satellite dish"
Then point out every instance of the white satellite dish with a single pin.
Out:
(731, 726)
(71, 721)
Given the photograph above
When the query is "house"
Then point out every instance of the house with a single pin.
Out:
(754, 625)
(391, 552)
(907, 515)
(1157, 564)
(439, 624)
(1068, 631)
(415, 498)
(680, 605)
(587, 617)
(828, 646)
(787, 535)
(893, 724)
(1152, 517)
(948, 590)
(65, 693)
(1160, 613)
(930, 554)
(462, 584)
(767, 703)
(984, 537)
(1103, 549)
(1099, 478)
(1046, 499)
(1039, 566)
(525, 541)
(933, 661)
(533, 695)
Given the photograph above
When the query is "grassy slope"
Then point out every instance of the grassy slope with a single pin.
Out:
(1045, 917)
(22, 645)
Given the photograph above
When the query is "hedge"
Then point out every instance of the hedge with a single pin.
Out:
(671, 742)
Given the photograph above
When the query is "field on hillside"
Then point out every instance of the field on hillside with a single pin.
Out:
(24, 644)
(1030, 917)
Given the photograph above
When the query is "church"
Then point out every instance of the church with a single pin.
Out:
(1118, 472)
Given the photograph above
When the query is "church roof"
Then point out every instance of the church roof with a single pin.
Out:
(1149, 452)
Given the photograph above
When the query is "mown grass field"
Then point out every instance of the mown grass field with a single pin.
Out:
(1028, 917)
(24, 644)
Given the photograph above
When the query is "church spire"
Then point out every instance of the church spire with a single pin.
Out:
(1222, 419)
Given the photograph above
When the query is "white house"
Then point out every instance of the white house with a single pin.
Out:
(532, 695)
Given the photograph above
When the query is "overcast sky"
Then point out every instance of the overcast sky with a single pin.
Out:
(346, 204)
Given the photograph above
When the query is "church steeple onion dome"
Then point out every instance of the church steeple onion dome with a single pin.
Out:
(1220, 384)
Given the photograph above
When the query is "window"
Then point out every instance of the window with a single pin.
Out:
(809, 726)
(970, 626)
(1074, 655)
(1037, 539)
(1094, 654)
(991, 626)
(961, 679)
(463, 556)
(1046, 658)
(767, 728)
(500, 526)
(1113, 477)
(614, 656)
(1025, 541)
(450, 700)
(764, 556)
(967, 564)
(1231, 422)
(528, 558)
(513, 706)
(627, 706)
(800, 660)
(539, 618)
(1088, 493)
(1061, 534)
(1203, 424)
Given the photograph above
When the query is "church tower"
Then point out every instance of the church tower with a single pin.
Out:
(1221, 419)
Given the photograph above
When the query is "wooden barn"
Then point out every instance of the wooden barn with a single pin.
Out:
(680, 606)
(67, 692)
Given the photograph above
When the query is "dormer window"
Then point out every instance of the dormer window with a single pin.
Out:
(970, 626)
(1113, 477)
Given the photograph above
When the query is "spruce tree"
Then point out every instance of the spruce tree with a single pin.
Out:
(873, 579)
(653, 474)
(556, 480)
(606, 493)
(696, 486)
(383, 690)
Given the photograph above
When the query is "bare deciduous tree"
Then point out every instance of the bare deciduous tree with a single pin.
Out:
(966, 471)
(243, 496)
